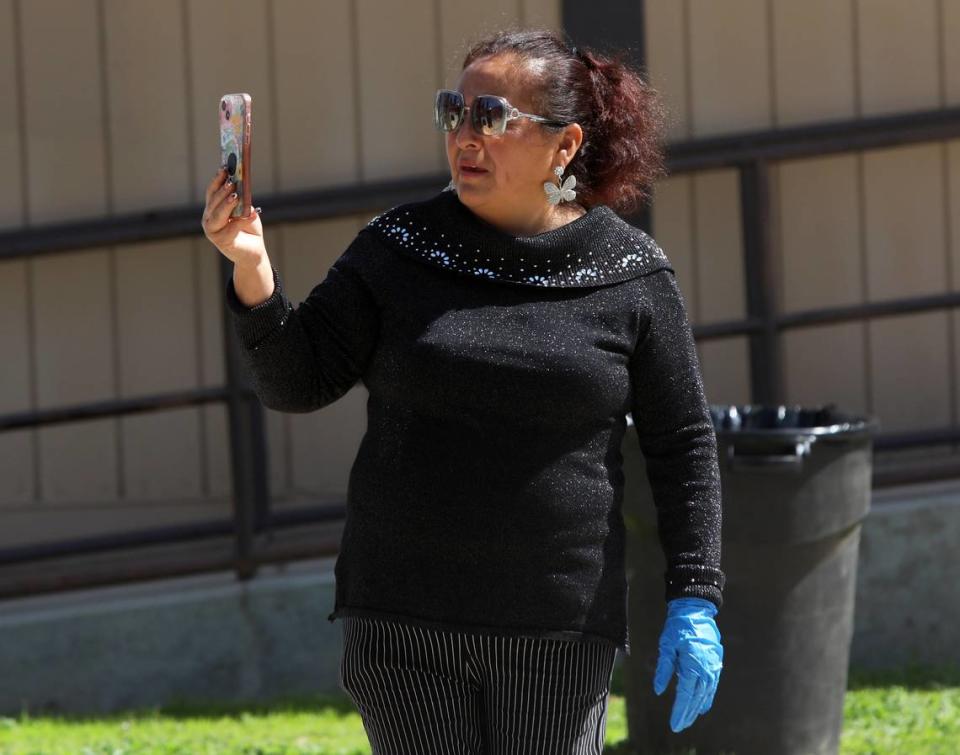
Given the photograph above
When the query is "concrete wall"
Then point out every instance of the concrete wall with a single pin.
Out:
(908, 599)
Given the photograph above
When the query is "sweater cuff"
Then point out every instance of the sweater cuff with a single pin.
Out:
(254, 324)
(695, 581)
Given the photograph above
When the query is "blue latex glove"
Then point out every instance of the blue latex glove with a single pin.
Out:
(689, 645)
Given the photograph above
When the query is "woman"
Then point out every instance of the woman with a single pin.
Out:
(504, 327)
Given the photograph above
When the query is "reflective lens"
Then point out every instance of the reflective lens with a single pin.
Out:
(489, 115)
(448, 110)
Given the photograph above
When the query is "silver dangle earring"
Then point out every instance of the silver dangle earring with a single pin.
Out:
(562, 191)
(451, 187)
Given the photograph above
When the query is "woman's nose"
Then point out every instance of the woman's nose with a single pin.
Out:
(465, 134)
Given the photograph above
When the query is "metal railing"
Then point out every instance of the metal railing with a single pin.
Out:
(256, 535)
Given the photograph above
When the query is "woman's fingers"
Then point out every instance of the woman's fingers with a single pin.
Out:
(686, 687)
(696, 701)
(215, 184)
(219, 208)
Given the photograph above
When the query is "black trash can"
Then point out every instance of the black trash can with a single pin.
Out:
(796, 486)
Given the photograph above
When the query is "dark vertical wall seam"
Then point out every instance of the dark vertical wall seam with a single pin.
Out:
(280, 239)
(197, 246)
(861, 210)
(119, 423)
(771, 63)
(32, 376)
(357, 104)
(949, 313)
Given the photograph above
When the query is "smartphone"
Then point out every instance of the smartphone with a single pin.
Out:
(235, 122)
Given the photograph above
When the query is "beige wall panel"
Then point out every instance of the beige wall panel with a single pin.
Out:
(12, 209)
(899, 55)
(15, 376)
(210, 309)
(952, 168)
(813, 61)
(316, 90)
(155, 282)
(721, 295)
(910, 371)
(817, 201)
(825, 364)
(161, 455)
(323, 443)
(211, 304)
(952, 160)
(672, 215)
(950, 46)
(156, 324)
(216, 28)
(725, 366)
(905, 231)
(73, 317)
(78, 462)
(53, 523)
(667, 62)
(16, 447)
(398, 66)
(63, 105)
(545, 13)
(219, 483)
(149, 150)
(729, 66)
(16, 470)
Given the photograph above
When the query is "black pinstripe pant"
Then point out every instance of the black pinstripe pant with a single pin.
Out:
(421, 690)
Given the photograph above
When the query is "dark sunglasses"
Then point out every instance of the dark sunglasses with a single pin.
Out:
(489, 114)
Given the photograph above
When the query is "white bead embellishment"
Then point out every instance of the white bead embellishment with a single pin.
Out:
(636, 252)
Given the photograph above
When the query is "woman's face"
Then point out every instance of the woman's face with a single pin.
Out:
(514, 165)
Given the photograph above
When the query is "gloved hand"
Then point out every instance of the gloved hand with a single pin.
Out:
(690, 645)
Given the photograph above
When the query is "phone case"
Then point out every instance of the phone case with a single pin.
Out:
(235, 130)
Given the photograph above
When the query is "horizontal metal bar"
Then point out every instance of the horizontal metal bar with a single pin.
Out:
(826, 315)
(728, 328)
(926, 470)
(310, 515)
(914, 438)
(729, 150)
(814, 140)
(179, 221)
(112, 407)
(865, 310)
(147, 563)
(160, 535)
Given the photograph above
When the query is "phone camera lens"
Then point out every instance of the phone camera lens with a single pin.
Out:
(232, 163)
(223, 104)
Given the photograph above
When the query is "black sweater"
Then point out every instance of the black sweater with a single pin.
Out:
(486, 493)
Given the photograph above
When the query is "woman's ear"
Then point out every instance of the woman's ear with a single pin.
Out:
(570, 140)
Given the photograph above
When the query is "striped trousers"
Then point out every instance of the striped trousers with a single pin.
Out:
(421, 690)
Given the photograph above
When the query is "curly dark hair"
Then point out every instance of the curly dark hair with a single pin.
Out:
(622, 116)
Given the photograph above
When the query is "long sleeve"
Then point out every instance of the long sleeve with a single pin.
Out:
(672, 421)
(303, 358)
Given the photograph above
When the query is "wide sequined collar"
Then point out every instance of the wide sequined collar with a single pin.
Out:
(596, 249)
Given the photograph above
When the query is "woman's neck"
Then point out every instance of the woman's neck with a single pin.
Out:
(527, 224)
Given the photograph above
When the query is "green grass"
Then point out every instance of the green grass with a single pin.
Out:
(914, 710)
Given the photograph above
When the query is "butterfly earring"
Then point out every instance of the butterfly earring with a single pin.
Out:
(562, 192)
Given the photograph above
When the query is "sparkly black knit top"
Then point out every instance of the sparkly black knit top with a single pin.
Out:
(486, 492)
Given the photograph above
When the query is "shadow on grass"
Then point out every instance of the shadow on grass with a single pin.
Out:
(914, 676)
(187, 708)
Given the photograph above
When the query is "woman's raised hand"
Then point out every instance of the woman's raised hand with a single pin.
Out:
(239, 239)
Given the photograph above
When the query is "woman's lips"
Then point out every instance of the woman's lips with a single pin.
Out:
(466, 170)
